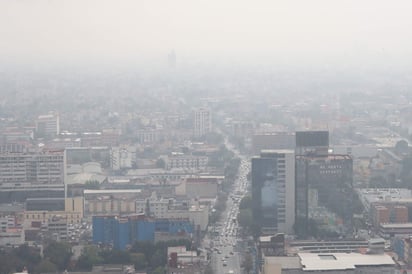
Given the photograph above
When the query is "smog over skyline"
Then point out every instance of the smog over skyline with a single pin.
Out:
(315, 33)
(205, 136)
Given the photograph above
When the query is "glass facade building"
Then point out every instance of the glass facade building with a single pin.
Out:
(273, 191)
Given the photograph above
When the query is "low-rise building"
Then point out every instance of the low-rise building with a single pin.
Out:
(110, 201)
(122, 231)
(388, 230)
(183, 261)
(199, 187)
(53, 216)
(12, 237)
(333, 263)
(169, 208)
(180, 160)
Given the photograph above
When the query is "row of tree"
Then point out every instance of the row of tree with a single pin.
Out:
(245, 217)
(145, 256)
(56, 256)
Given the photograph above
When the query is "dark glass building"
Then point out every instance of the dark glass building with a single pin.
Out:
(323, 181)
(273, 191)
(312, 142)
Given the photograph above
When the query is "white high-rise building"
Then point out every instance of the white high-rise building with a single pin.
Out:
(46, 168)
(203, 122)
(48, 125)
(31, 174)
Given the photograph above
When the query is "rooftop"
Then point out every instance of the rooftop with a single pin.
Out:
(399, 225)
(342, 261)
(111, 191)
(287, 262)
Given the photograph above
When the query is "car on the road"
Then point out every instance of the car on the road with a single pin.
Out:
(224, 264)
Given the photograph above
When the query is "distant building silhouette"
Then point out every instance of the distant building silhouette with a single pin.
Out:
(171, 57)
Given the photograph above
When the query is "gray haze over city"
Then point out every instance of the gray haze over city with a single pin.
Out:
(213, 137)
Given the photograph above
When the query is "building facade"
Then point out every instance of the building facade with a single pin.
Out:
(48, 125)
(324, 182)
(202, 122)
(123, 231)
(24, 175)
(273, 191)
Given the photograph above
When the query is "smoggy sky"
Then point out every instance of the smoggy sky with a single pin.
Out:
(286, 32)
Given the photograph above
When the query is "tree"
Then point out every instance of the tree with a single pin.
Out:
(115, 256)
(246, 203)
(92, 184)
(9, 263)
(88, 258)
(406, 172)
(159, 270)
(245, 218)
(28, 256)
(209, 270)
(158, 259)
(139, 260)
(59, 254)
(247, 263)
(378, 181)
(401, 147)
(145, 247)
(45, 266)
(160, 163)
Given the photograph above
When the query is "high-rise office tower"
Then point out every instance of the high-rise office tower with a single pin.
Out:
(202, 122)
(323, 181)
(312, 143)
(273, 191)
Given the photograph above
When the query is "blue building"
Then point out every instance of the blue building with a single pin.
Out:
(123, 231)
(174, 226)
(103, 229)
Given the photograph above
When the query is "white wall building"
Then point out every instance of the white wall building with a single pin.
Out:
(166, 208)
(122, 157)
(186, 161)
(43, 168)
(202, 122)
(12, 237)
(48, 125)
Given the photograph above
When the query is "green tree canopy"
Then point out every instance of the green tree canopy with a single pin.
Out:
(58, 254)
(45, 266)
(92, 184)
(247, 263)
(159, 270)
(88, 258)
(139, 260)
(246, 202)
(115, 256)
(245, 218)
